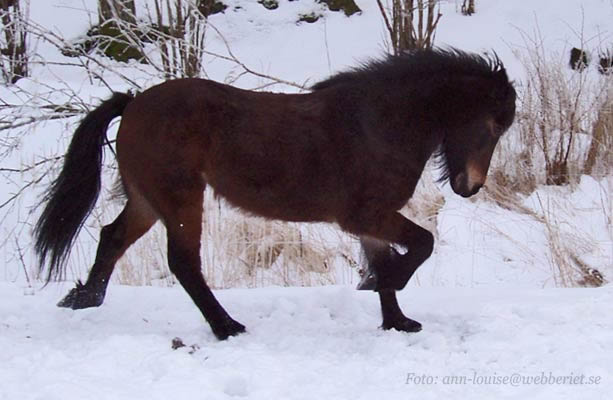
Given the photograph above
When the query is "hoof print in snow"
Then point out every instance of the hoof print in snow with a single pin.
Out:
(193, 348)
(177, 343)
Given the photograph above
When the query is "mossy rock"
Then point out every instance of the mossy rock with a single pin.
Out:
(347, 6)
(579, 59)
(210, 7)
(309, 18)
(109, 39)
(115, 45)
(269, 4)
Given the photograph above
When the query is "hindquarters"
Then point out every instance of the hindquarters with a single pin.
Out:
(160, 149)
(163, 146)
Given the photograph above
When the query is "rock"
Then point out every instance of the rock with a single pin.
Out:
(347, 6)
(269, 4)
(578, 59)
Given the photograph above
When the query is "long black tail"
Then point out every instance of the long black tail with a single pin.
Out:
(71, 197)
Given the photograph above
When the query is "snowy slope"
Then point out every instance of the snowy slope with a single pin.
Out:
(309, 343)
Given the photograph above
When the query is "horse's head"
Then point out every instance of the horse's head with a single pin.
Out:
(467, 148)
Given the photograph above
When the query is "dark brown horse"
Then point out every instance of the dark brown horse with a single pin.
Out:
(350, 152)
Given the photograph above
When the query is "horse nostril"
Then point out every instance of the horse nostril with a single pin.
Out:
(459, 182)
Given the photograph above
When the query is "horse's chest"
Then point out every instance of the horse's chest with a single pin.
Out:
(384, 180)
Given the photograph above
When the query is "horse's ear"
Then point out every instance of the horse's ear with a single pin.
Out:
(502, 88)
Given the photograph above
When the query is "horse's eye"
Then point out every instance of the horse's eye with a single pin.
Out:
(497, 130)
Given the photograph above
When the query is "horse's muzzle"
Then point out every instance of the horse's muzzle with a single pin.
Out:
(467, 185)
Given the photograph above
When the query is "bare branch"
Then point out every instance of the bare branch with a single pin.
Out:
(231, 57)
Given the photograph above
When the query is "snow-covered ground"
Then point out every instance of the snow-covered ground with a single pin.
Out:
(490, 329)
(309, 343)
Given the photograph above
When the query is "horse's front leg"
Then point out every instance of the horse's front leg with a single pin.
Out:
(382, 274)
(381, 267)
(389, 270)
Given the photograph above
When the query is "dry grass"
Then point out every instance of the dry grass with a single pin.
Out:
(567, 243)
(563, 130)
(565, 249)
(599, 159)
(563, 118)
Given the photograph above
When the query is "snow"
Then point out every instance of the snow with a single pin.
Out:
(304, 343)
(480, 297)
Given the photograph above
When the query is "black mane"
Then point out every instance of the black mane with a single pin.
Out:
(421, 71)
(414, 63)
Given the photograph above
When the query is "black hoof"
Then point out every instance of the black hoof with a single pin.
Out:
(403, 324)
(394, 280)
(81, 297)
(368, 282)
(391, 273)
(228, 328)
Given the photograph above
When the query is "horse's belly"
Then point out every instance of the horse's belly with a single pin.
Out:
(277, 200)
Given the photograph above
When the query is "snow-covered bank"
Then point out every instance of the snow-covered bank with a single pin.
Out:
(307, 343)
(530, 245)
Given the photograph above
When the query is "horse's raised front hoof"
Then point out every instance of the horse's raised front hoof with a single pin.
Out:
(396, 280)
(368, 281)
(394, 274)
(228, 328)
(81, 297)
(402, 324)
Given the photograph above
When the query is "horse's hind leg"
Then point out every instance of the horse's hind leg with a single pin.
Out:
(115, 238)
(184, 225)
